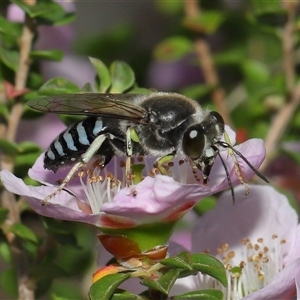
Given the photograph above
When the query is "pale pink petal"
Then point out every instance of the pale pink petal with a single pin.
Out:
(63, 206)
(259, 215)
(281, 287)
(159, 195)
(253, 150)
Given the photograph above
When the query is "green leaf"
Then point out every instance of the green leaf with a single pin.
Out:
(104, 80)
(207, 22)
(266, 7)
(140, 90)
(122, 77)
(164, 283)
(209, 265)
(200, 295)
(24, 232)
(8, 148)
(47, 12)
(125, 295)
(205, 205)
(5, 252)
(68, 239)
(173, 48)
(137, 170)
(30, 248)
(59, 85)
(87, 88)
(55, 297)
(3, 214)
(9, 282)
(256, 72)
(26, 160)
(196, 91)
(169, 7)
(10, 58)
(56, 55)
(28, 147)
(105, 287)
(10, 28)
(181, 261)
(4, 110)
(55, 226)
(66, 19)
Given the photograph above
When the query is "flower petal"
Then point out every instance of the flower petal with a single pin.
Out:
(259, 215)
(281, 287)
(63, 206)
(253, 150)
(160, 195)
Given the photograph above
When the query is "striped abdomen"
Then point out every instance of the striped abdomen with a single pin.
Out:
(67, 148)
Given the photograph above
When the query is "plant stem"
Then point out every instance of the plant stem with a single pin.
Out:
(204, 54)
(8, 200)
(283, 117)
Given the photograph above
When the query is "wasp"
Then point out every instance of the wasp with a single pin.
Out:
(158, 124)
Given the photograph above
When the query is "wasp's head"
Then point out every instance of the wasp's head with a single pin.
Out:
(199, 142)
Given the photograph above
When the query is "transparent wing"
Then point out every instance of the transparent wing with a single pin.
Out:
(118, 106)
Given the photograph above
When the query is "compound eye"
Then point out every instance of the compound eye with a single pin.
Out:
(218, 120)
(193, 142)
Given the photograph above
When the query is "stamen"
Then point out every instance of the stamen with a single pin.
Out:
(261, 262)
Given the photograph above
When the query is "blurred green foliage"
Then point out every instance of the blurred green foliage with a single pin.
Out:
(246, 39)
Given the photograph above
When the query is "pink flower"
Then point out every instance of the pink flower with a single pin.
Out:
(102, 198)
(156, 198)
(260, 236)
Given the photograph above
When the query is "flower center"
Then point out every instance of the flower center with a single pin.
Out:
(100, 185)
(260, 262)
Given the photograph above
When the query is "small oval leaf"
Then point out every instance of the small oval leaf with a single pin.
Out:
(56, 55)
(24, 232)
(209, 265)
(173, 48)
(201, 295)
(122, 77)
(105, 287)
(102, 71)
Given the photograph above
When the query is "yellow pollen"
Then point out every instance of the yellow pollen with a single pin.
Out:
(283, 242)
(219, 251)
(260, 240)
(274, 236)
(242, 264)
(265, 260)
(81, 174)
(231, 254)
(225, 247)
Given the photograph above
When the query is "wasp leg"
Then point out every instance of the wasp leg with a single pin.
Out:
(131, 136)
(237, 167)
(159, 164)
(85, 158)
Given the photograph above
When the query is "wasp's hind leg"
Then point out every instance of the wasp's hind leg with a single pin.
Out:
(85, 158)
